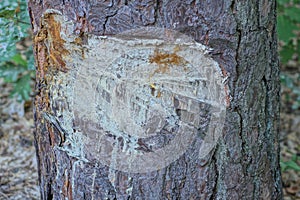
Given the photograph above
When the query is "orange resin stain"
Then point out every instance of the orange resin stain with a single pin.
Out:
(165, 60)
(57, 49)
(49, 40)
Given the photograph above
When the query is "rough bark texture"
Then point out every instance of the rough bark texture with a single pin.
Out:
(245, 164)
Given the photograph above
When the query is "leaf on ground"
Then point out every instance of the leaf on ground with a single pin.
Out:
(22, 88)
(286, 53)
(18, 60)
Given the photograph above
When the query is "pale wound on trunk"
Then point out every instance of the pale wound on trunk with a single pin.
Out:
(128, 91)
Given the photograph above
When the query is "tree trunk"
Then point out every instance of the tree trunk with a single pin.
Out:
(90, 87)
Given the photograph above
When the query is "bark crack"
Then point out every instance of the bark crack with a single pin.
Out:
(109, 16)
(244, 143)
(156, 8)
(237, 55)
(215, 187)
(232, 6)
(164, 175)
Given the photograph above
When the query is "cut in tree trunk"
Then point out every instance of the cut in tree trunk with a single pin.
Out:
(127, 73)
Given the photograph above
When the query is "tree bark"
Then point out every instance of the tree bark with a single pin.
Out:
(243, 41)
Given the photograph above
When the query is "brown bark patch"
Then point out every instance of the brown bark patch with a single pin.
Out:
(49, 39)
(57, 49)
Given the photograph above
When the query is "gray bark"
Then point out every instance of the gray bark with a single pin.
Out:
(245, 163)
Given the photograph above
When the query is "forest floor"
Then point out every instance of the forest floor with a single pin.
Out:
(290, 130)
(18, 165)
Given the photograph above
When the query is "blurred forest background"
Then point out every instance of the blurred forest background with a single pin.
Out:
(18, 173)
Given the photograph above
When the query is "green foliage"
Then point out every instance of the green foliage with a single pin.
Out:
(288, 24)
(291, 164)
(16, 65)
